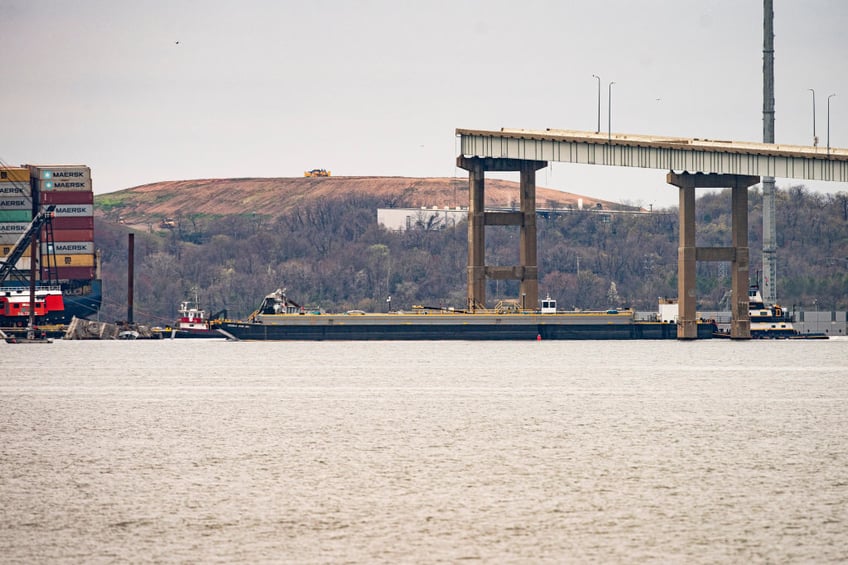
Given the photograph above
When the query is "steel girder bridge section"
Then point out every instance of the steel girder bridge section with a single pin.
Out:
(701, 163)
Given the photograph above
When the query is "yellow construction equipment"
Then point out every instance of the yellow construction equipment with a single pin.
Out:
(317, 173)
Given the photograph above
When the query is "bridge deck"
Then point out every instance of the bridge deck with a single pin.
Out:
(657, 152)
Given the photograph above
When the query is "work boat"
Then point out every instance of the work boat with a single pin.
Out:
(193, 323)
(770, 321)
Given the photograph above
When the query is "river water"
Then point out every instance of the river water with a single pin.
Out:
(369, 452)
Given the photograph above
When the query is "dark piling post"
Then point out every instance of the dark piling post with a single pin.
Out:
(130, 277)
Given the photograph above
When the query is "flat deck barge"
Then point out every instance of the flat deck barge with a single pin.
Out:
(453, 326)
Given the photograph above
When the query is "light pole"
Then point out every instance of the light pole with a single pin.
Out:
(609, 112)
(828, 122)
(815, 139)
(599, 103)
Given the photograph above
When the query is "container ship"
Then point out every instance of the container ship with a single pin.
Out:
(66, 260)
(279, 318)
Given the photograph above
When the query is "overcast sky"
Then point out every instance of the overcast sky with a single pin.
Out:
(151, 90)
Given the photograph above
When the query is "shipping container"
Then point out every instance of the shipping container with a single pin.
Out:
(72, 223)
(71, 273)
(23, 264)
(62, 261)
(64, 184)
(15, 189)
(73, 235)
(14, 174)
(13, 228)
(15, 203)
(62, 249)
(71, 210)
(68, 247)
(82, 260)
(7, 216)
(67, 197)
(57, 172)
(6, 248)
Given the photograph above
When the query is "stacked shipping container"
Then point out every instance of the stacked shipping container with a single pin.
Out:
(15, 210)
(68, 187)
(27, 189)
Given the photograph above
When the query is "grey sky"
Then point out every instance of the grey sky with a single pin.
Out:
(377, 87)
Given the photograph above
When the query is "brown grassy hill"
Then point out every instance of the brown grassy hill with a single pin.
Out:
(271, 197)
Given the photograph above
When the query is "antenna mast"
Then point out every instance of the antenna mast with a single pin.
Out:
(769, 232)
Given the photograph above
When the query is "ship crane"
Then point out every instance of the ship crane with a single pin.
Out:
(12, 305)
(8, 265)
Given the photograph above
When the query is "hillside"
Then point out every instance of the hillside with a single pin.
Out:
(273, 197)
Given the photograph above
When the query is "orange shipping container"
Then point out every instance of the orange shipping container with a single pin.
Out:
(6, 248)
(81, 260)
(14, 174)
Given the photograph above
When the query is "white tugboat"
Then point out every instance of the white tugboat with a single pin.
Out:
(768, 321)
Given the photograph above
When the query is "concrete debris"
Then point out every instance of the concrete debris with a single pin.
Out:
(89, 329)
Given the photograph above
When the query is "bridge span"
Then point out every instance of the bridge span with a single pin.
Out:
(701, 163)
(657, 152)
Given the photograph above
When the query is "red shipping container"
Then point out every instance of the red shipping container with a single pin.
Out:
(73, 235)
(68, 197)
(71, 273)
(73, 223)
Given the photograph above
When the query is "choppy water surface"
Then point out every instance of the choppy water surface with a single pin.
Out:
(206, 451)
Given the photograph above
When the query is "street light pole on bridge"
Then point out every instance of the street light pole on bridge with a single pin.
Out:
(609, 112)
(815, 137)
(599, 103)
(828, 122)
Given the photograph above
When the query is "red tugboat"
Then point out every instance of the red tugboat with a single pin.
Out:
(193, 323)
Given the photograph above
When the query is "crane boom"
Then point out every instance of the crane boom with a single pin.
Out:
(7, 265)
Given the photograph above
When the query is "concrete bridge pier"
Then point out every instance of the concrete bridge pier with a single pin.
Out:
(688, 253)
(527, 272)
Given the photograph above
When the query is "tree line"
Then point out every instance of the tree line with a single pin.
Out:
(332, 255)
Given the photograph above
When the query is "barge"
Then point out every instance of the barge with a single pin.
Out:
(280, 319)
